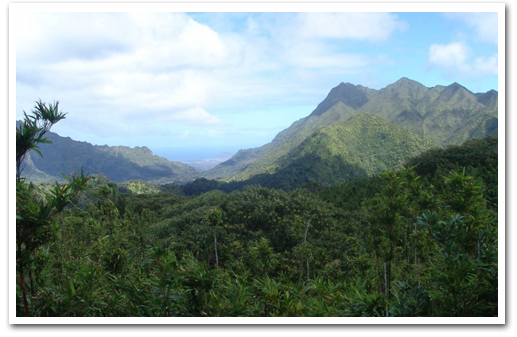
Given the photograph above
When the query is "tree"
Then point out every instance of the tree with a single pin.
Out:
(34, 214)
(465, 272)
(214, 218)
(387, 223)
(34, 127)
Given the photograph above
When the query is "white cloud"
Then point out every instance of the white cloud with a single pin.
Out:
(172, 40)
(57, 37)
(453, 55)
(457, 59)
(360, 26)
(316, 55)
(143, 40)
(484, 24)
(122, 64)
(134, 62)
(317, 45)
(485, 65)
(195, 116)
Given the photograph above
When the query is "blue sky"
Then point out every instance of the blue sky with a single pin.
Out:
(191, 85)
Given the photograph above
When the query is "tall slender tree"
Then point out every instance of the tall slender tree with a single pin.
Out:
(34, 214)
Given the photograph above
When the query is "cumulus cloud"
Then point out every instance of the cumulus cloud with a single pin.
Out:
(456, 58)
(143, 61)
(196, 115)
(128, 65)
(484, 24)
(56, 37)
(161, 73)
(453, 55)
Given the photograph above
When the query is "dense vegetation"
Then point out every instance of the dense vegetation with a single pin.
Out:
(420, 241)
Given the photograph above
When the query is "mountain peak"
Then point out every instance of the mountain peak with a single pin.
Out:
(343, 85)
(347, 93)
(403, 89)
(455, 89)
(456, 86)
(488, 98)
(406, 82)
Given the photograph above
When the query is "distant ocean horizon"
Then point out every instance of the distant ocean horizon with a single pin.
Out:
(194, 154)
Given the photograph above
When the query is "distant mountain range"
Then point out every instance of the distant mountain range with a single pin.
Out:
(117, 163)
(435, 116)
(354, 132)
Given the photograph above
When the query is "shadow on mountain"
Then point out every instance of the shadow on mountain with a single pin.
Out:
(65, 156)
(304, 171)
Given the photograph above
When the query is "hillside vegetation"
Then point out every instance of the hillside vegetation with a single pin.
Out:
(444, 115)
(361, 209)
(118, 163)
(420, 241)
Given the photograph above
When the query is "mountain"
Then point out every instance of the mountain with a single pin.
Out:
(361, 146)
(442, 115)
(237, 163)
(117, 163)
(446, 115)
(321, 147)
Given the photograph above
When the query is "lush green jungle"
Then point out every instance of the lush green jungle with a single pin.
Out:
(418, 241)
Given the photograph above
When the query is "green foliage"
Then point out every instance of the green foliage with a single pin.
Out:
(410, 300)
(138, 187)
(360, 146)
(477, 157)
(467, 247)
(363, 304)
(399, 244)
(34, 214)
(30, 133)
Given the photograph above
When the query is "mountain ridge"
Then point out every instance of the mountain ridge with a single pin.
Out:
(440, 115)
(443, 114)
(364, 142)
(117, 163)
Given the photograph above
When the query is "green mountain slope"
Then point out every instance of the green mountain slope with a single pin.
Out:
(249, 162)
(443, 114)
(119, 163)
(363, 145)
(290, 138)
(447, 115)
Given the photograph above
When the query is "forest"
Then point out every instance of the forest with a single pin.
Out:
(421, 241)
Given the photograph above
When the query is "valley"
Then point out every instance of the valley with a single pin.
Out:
(377, 204)
(317, 148)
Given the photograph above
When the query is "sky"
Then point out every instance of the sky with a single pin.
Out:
(192, 85)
